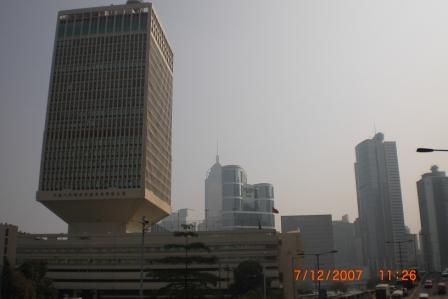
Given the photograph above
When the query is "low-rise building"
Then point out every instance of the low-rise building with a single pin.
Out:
(108, 266)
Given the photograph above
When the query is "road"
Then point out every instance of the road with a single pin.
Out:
(433, 291)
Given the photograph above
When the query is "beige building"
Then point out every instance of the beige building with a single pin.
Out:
(106, 154)
(108, 266)
(291, 246)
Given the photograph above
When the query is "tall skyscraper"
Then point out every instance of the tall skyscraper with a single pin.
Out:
(232, 203)
(380, 205)
(433, 202)
(316, 234)
(106, 156)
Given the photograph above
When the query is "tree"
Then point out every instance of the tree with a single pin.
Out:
(34, 272)
(185, 282)
(13, 283)
(27, 282)
(248, 277)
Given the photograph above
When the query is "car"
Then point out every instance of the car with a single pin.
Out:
(428, 284)
(397, 294)
(441, 288)
(423, 296)
(445, 273)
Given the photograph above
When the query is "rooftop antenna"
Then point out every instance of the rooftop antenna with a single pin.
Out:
(217, 151)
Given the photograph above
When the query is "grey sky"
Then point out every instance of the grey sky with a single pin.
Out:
(287, 87)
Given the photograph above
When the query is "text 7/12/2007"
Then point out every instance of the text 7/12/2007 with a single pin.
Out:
(328, 275)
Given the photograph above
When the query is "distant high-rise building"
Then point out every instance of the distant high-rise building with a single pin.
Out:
(345, 242)
(106, 156)
(231, 203)
(213, 197)
(316, 234)
(411, 247)
(433, 202)
(380, 204)
(176, 220)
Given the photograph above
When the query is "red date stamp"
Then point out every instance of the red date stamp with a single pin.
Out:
(328, 275)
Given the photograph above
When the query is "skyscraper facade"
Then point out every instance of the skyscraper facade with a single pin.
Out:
(316, 234)
(232, 203)
(380, 204)
(433, 203)
(106, 156)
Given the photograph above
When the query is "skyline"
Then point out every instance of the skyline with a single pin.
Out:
(201, 116)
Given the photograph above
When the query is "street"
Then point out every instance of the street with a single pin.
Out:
(433, 291)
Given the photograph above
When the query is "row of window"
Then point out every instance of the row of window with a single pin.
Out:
(101, 25)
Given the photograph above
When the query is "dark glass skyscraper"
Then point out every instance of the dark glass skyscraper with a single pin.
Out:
(380, 207)
(433, 203)
(106, 156)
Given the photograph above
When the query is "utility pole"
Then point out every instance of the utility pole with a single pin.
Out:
(399, 250)
(264, 282)
(293, 281)
(144, 223)
(317, 255)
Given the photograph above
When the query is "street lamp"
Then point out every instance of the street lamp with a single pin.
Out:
(317, 255)
(399, 249)
(430, 150)
(293, 282)
(144, 223)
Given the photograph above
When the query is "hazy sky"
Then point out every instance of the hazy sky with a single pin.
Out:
(287, 87)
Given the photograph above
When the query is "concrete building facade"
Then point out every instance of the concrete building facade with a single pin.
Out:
(8, 247)
(106, 154)
(380, 204)
(108, 266)
(433, 203)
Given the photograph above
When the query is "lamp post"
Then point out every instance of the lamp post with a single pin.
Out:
(264, 282)
(317, 255)
(293, 281)
(430, 150)
(144, 223)
(399, 249)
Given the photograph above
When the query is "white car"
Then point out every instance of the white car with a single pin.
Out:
(428, 284)
(423, 296)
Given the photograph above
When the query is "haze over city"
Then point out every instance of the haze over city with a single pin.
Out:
(287, 90)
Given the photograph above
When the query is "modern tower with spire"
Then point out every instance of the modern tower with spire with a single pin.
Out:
(232, 203)
(106, 155)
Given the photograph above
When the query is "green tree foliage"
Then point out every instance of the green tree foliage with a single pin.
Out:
(185, 281)
(27, 282)
(248, 278)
